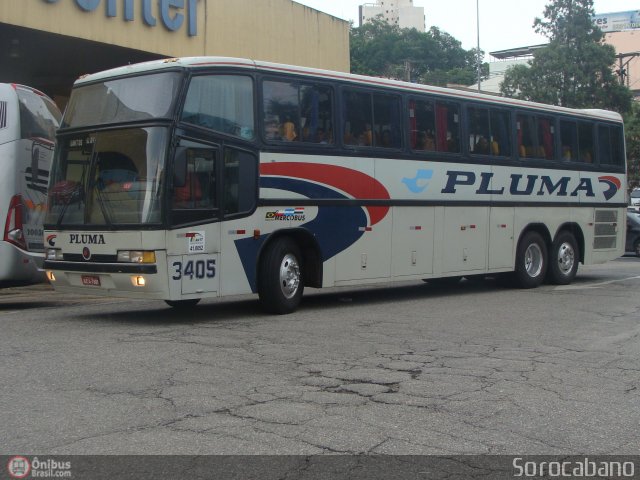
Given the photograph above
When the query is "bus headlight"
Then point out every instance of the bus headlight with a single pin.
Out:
(136, 256)
(54, 254)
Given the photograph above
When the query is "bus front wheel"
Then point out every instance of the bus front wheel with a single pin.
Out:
(280, 281)
(531, 260)
(563, 259)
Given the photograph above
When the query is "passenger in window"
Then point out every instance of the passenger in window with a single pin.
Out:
(482, 146)
(366, 139)
(421, 141)
(386, 141)
(271, 130)
(430, 141)
(452, 143)
(321, 137)
(522, 151)
(288, 130)
(186, 196)
(495, 147)
(348, 137)
(566, 153)
(585, 156)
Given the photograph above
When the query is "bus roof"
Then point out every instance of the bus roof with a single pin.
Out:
(230, 62)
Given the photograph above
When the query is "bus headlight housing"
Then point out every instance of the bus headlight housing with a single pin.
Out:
(54, 254)
(136, 256)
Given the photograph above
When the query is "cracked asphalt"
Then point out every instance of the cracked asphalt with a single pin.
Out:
(411, 369)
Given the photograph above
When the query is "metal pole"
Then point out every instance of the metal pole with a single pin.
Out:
(478, 60)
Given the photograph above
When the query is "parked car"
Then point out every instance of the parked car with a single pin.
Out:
(633, 232)
(634, 199)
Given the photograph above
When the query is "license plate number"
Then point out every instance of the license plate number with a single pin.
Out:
(91, 280)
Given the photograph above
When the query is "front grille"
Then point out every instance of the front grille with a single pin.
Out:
(77, 257)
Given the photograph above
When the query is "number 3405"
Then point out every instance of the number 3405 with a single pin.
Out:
(194, 269)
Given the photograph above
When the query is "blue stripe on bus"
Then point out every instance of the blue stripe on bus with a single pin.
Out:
(330, 219)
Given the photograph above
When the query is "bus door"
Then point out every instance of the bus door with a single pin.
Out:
(193, 242)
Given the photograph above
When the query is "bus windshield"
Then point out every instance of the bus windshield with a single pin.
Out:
(109, 178)
(140, 98)
(39, 117)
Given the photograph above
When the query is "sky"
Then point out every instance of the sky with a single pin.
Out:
(504, 24)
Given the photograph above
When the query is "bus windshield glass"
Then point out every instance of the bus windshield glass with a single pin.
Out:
(131, 99)
(39, 117)
(110, 178)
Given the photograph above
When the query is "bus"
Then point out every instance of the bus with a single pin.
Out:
(28, 122)
(191, 178)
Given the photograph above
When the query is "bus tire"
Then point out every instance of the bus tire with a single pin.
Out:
(182, 303)
(531, 261)
(563, 259)
(280, 281)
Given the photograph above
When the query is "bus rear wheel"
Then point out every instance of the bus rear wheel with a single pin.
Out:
(563, 259)
(531, 261)
(280, 281)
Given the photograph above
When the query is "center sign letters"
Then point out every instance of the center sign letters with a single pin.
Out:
(170, 13)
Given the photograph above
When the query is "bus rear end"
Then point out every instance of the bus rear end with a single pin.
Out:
(28, 122)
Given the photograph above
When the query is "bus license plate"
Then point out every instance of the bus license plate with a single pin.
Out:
(91, 280)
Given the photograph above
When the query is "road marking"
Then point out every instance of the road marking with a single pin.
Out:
(594, 285)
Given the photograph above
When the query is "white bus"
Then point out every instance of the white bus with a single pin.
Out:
(28, 122)
(191, 178)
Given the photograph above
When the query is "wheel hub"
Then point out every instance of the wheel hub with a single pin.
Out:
(566, 258)
(289, 276)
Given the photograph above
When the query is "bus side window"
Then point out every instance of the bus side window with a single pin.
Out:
(240, 182)
(358, 119)
(194, 182)
(569, 141)
(447, 127)
(546, 138)
(479, 131)
(296, 112)
(585, 140)
(500, 121)
(526, 136)
(422, 125)
(386, 112)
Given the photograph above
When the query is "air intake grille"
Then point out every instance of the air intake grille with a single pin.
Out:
(606, 230)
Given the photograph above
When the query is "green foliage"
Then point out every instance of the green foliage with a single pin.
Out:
(575, 69)
(434, 57)
(632, 136)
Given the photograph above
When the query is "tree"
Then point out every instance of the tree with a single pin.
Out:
(632, 136)
(434, 57)
(576, 69)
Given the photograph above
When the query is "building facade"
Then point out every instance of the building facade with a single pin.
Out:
(395, 12)
(47, 44)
